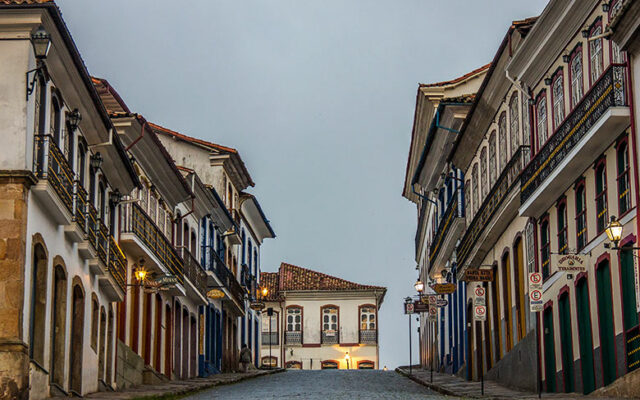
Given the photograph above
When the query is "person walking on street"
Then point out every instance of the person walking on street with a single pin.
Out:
(245, 357)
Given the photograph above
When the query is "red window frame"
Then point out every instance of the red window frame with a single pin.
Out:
(624, 193)
(601, 196)
(545, 250)
(581, 215)
(563, 237)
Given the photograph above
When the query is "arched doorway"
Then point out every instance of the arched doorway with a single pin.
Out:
(101, 344)
(184, 368)
(518, 272)
(168, 340)
(470, 350)
(194, 350)
(605, 315)
(158, 334)
(585, 335)
(58, 331)
(549, 350)
(495, 315)
(77, 339)
(567, 342)
(506, 301)
(38, 304)
(110, 334)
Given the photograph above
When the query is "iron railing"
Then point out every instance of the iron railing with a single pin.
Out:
(137, 222)
(607, 92)
(102, 241)
(368, 336)
(633, 348)
(117, 263)
(293, 337)
(330, 337)
(218, 267)
(194, 271)
(270, 338)
(443, 229)
(80, 204)
(422, 219)
(507, 179)
(50, 164)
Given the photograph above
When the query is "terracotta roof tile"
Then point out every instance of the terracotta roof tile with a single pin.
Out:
(193, 140)
(458, 79)
(292, 277)
(270, 281)
(10, 2)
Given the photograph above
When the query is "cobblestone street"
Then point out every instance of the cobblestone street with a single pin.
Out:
(326, 384)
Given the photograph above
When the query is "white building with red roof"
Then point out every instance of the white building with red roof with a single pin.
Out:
(317, 321)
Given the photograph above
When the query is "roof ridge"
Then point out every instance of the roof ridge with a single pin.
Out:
(323, 275)
(193, 139)
(458, 79)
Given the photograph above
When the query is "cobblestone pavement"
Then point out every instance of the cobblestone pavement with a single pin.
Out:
(325, 384)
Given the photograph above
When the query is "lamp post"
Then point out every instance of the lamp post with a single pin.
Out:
(614, 233)
(408, 301)
(41, 42)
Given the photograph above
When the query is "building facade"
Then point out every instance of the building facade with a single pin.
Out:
(317, 321)
(122, 263)
(554, 161)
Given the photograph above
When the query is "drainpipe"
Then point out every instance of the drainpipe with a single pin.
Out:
(443, 127)
(514, 83)
(142, 130)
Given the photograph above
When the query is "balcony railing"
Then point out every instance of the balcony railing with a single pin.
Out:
(193, 271)
(608, 92)
(507, 179)
(368, 336)
(137, 222)
(269, 338)
(293, 337)
(50, 164)
(330, 337)
(218, 267)
(443, 228)
(422, 219)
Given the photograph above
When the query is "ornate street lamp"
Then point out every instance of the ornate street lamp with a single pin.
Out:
(73, 119)
(41, 42)
(96, 161)
(614, 231)
(419, 286)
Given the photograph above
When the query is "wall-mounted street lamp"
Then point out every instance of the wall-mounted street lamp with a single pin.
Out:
(140, 273)
(614, 233)
(41, 42)
(96, 160)
(419, 285)
(114, 197)
(73, 119)
(347, 358)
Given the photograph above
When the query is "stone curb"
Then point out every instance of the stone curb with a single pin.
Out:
(432, 386)
(174, 389)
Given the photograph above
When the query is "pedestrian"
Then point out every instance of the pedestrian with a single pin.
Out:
(245, 357)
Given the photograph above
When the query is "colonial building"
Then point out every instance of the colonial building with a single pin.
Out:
(62, 173)
(222, 169)
(553, 162)
(317, 321)
(435, 186)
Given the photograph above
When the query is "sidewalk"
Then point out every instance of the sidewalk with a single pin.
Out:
(177, 388)
(455, 386)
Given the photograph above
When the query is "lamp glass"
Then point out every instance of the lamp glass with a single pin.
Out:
(346, 356)
(96, 160)
(265, 292)
(41, 41)
(74, 118)
(140, 273)
(614, 230)
(419, 286)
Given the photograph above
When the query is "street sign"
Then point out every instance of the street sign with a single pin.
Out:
(570, 262)
(167, 280)
(444, 288)
(408, 308)
(535, 281)
(257, 306)
(478, 275)
(536, 301)
(215, 294)
(479, 298)
(433, 301)
(433, 314)
(480, 313)
(442, 302)
(420, 307)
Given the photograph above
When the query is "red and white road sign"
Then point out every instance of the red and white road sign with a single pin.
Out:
(480, 313)
(535, 281)
(479, 291)
(536, 300)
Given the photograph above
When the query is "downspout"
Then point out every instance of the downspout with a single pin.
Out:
(281, 335)
(142, 130)
(443, 127)
(517, 86)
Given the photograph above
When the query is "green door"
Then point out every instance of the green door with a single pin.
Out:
(549, 351)
(605, 313)
(567, 343)
(628, 290)
(586, 338)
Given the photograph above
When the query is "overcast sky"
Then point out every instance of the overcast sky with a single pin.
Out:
(318, 97)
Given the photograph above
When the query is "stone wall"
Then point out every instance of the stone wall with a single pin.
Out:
(129, 367)
(627, 386)
(518, 368)
(14, 359)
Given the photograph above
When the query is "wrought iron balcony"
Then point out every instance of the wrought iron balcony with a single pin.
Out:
(330, 337)
(293, 337)
(51, 165)
(579, 132)
(194, 271)
(270, 338)
(422, 220)
(494, 200)
(368, 336)
(117, 263)
(446, 222)
(138, 223)
(224, 274)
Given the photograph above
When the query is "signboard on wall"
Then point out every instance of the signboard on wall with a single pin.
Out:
(478, 275)
(570, 263)
(536, 302)
(444, 288)
(480, 313)
(433, 314)
(408, 308)
(420, 307)
(479, 296)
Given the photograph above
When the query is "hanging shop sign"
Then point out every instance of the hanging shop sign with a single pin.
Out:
(215, 294)
(478, 275)
(535, 281)
(420, 307)
(444, 288)
(570, 263)
(536, 301)
(442, 303)
(167, 280)
(480, 313)
(257, 306)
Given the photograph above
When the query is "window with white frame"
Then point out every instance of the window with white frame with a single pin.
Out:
(558, 101)
(502, 140)
(294, 319)
(492, 159)
(525, 121)
(577, 85)
(483, 172)
(474, 178)
(514, 123)
(330, 319)
(595, 54)
(367, 318)
(541, 120)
